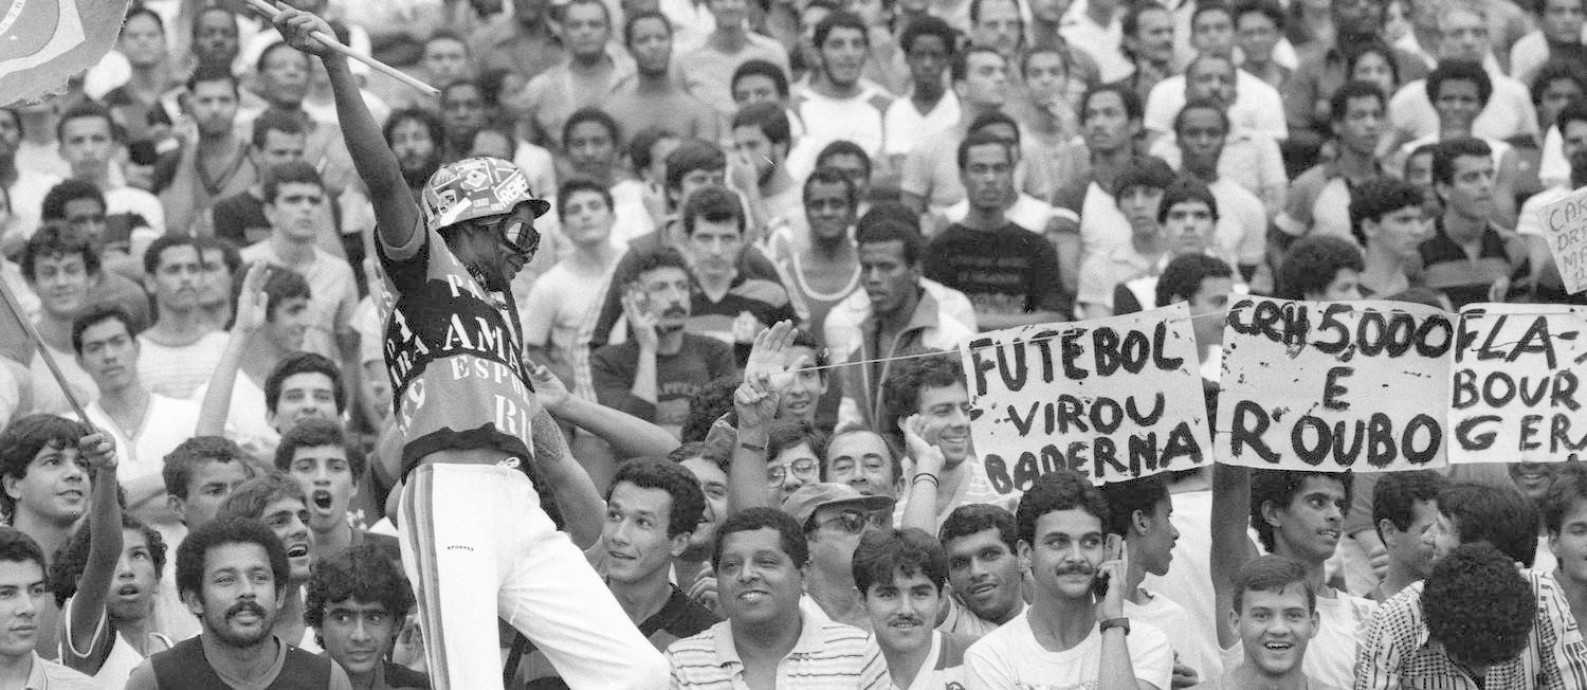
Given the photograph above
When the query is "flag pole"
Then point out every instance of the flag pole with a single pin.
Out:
(38, 343)
(330, 42)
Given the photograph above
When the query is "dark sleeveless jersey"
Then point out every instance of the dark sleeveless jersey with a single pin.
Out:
(184, 667)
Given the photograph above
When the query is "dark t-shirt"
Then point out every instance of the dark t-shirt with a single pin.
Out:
(678, 377)
(1009, 270)
(679, 618)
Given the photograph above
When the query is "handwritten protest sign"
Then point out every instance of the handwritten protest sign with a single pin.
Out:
(1114, 399)
(1565, 226)
(1515, 391)
(1334, 386)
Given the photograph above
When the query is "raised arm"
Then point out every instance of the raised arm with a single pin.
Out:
(396, 213)
(1231, 547)
(920, 511)
(104, 552)
(252, 308)
(755, 402)
(629, 436)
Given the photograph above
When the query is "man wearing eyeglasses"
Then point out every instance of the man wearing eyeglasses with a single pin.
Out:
(834, 517)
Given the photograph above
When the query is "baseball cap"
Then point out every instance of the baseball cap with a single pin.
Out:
(803, 503)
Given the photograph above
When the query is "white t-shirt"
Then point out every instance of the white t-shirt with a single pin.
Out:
(1188, 581)
(166, 424)
(1509, 111)
(858, 119)
(907, 127)
(1199, 652)
(558, 305)
(1257, 105)
(1010, 657)
(1331, 656)
(178, 371)
(1242, 222)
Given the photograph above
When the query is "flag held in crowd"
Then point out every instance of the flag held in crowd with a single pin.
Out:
(45, 42)
(1114, 399)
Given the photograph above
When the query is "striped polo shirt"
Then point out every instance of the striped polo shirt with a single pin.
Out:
(827, 655)
(1447, 268)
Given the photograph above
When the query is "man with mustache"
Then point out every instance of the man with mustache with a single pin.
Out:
(1075, 632)
(900, 575)
(179, 352)
(655, 373)
(276, 500)
(233, 574)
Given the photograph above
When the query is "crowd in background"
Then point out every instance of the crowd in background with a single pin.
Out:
(771, 226)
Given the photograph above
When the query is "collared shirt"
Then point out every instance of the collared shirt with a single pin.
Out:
(1466, 279)
(827, 655)
(1396, 650)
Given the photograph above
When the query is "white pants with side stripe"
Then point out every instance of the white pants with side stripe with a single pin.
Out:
(477, 545)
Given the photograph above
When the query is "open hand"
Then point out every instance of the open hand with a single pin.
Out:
(928, 458)
(641, 320)
(253, 305)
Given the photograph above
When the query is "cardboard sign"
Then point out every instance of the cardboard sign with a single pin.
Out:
(1114, 399)
(1515, 392)
(1565, 226)
(1326, 386)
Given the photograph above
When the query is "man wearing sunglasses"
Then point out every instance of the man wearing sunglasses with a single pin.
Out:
(475, 540)
(834, 518)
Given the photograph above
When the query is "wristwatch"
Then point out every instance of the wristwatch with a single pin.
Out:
(1109, 623)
